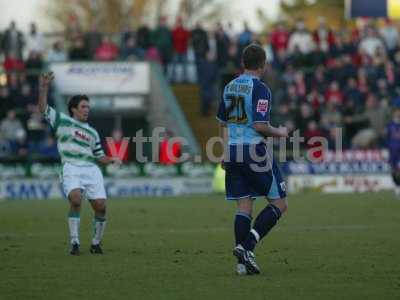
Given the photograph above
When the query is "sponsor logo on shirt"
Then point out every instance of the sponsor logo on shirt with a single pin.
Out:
(82, 136)
(262, 106)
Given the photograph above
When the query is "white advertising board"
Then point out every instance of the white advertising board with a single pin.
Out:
(93, 78)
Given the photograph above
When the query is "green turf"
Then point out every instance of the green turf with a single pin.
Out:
(326, 247)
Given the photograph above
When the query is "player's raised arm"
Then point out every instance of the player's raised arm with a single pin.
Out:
(44, 83)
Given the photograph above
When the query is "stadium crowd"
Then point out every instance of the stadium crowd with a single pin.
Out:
(321, 79)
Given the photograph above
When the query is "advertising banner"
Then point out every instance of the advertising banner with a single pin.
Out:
(339, 183)
(105, 78)
(27, 189)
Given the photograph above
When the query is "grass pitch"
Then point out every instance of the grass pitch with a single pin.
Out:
(326, 247)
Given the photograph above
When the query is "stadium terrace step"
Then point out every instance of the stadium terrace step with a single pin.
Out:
(204, 128)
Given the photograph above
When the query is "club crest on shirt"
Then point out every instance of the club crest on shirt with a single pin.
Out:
(262, 106)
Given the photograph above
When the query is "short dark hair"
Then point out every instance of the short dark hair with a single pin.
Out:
(253, 57)
(74, 102)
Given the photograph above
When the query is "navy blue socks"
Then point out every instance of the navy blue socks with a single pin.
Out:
(264, 222)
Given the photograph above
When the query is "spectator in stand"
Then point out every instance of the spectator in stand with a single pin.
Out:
(315, 99)
(143, 37)
(318, 57)
(13, 64)
(13, 41)
(285, 116)
(375, 116)
(291, 97)
(20, 146)
(390, 35)
(323, 36)
(244, 39)
(161, 38)
(127, 34)
(390, 74)
(313, 131)
(34, 65)
(353, 94)
(362, 81)
(78, 51)
(304, 116)
(5, 149)
(107, 50)
(382, 91)
(118, 148)
(265, 41)
(223, 44)
(333, 94)
(350, 128)
(57, 53)
(208, 76)
(231, 32)
(300, 83)
(5, 101)
(153, 55)
(34, 41)
(371, 43)
(48, 148)
(349, 70)
(280, 38)
(36, 130)
(301, 39)
(10, 126)
(25, 100)
(93, 39)
(200, 44)
(13, 87)
(180, 42)
(131, 51)
(331, 116)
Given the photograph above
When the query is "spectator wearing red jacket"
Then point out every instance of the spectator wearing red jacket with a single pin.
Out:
(333, 94)
(107, 50)
(180, 42)
(13, 63)
(280, 38)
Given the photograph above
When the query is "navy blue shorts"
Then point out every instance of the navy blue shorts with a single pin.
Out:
(242, 180)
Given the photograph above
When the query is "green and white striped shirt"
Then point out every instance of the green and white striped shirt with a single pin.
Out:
(78, 143)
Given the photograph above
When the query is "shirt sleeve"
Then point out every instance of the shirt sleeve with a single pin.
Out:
(221, 115)
(261, 103)
(51, 116)
(98, 151)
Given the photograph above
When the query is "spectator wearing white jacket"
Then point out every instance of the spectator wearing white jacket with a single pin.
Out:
(301, 39)
(371, 43)
(34, 41)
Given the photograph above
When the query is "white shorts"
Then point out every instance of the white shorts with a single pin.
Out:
(87, 178)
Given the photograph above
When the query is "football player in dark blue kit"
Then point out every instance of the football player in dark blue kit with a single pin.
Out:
(393, 144)
(250, 169)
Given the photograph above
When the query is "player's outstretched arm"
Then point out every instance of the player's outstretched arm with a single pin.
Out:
(44, 83)
(266, 130)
